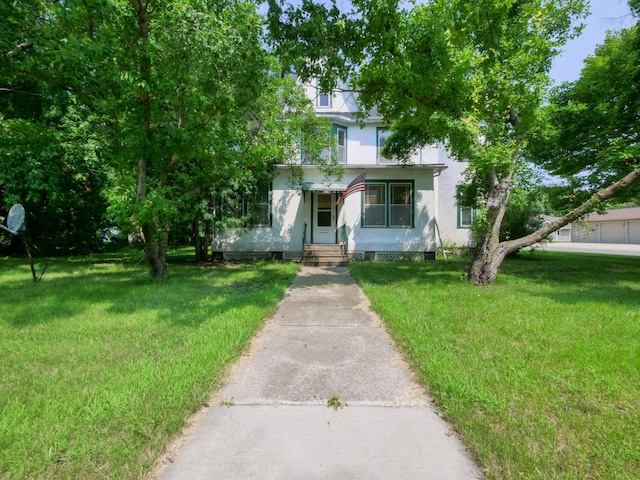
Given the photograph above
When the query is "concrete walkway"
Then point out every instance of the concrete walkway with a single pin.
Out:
(271, 419)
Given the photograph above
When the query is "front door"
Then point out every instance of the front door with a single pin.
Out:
(324, 218)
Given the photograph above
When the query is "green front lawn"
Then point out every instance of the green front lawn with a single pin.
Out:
(99, 366)
(540, 372)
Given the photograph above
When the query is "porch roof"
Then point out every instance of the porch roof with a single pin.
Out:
(323, 187)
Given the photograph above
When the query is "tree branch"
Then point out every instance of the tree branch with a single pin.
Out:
(586, 207)
(13, 90)
(59, 86)
(21, 47)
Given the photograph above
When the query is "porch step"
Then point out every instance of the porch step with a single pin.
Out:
(324, 255)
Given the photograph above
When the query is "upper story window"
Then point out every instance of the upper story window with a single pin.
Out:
(337, 147)
(340, 136)
(323, 99)
(383, 134)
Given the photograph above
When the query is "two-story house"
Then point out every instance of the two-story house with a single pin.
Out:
(398, 211)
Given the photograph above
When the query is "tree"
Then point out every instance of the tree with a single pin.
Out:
(59, 180)
(272, 131)
(471, 74)
(174, 92)
(592, 136)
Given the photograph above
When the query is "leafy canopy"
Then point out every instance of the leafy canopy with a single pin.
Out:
(592, 136)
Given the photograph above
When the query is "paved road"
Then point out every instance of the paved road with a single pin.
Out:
(272, 419)
(606, 248)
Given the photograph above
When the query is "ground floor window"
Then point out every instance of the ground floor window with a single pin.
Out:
(466, 214)
(258, 207)
(388, 204)
(465, 217)
(250, 209)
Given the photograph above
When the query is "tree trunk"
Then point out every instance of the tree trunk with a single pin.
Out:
(491, 253)
(486, 262)
(156, 257)
(208, 233)
(197, 241)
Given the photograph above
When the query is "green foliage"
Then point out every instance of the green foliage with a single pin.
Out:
(50, 162)
(436, 70)
(527, 203)
(591, 137)
(167, 105)
(335, 403)
(522, 215)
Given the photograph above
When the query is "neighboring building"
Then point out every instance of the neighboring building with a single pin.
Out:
(615, 226)
(563, 234)
(398, 214)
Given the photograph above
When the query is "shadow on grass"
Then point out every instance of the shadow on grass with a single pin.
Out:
(191, 296)
(421, 274)
(578, 277)
(560, 276)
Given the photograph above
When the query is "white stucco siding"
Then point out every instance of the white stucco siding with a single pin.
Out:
(448, 182)
(291, 210)
(361, 145)
(389, 239)
(341, 101)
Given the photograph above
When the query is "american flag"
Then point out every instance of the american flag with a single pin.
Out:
(357, 185)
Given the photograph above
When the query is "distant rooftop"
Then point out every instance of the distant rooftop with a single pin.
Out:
(617, 214)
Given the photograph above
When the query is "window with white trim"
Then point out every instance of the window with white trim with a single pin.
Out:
(323, 99)
(465, 217)
(388, 203)
(383, 134)
(340, 134)
(465, 214)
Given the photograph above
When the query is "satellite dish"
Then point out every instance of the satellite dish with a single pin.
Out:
(15, 218)
(15, 223)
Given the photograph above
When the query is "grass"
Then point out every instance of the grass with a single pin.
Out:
(539, 372)
(100, 366)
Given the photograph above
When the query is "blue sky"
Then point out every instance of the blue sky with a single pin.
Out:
(605, 15)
